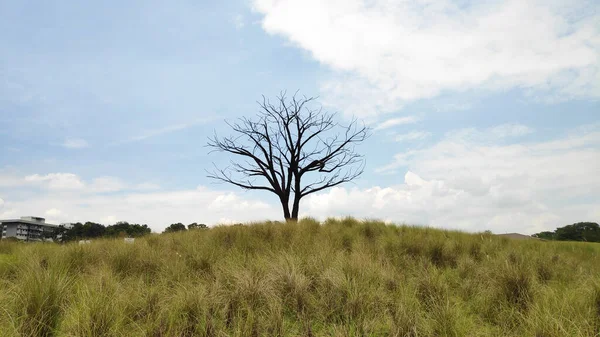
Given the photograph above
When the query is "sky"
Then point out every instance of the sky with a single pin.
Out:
(485, 115)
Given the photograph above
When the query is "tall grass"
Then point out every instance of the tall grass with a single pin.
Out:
(337, 278)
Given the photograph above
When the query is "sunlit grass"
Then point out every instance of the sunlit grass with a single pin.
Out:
(339, 278)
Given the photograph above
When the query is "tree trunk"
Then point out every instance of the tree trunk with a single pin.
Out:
(286, 209)
(295, 207)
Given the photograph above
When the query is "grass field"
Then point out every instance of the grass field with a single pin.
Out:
(338, 278)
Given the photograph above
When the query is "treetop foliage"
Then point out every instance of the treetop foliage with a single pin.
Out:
(176, 227)
(89, 230)
(581, 231)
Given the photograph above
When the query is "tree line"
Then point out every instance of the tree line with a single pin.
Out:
(92, 230)
(581, 231)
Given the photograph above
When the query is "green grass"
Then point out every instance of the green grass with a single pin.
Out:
(339, 278)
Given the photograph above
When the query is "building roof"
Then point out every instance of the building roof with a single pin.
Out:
(518, 236)
(29, 222)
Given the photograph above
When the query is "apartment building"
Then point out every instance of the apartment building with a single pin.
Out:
(27, 228)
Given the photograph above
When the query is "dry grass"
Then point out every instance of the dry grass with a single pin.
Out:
(339, 278)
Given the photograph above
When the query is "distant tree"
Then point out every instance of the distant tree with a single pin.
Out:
(93, 230)
(293, 149)
(123, 228)
(176, 227)
(55, 235)
(545, 235)
(78, 231)
(63, 234)
(197, 226)
(581, 231)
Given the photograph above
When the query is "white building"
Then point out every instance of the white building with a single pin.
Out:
(27, 228)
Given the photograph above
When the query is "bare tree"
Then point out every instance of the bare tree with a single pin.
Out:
(292, 150)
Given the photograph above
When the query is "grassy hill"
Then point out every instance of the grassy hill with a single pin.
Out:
(339, 278)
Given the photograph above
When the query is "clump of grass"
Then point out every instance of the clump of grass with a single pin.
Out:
(515, 287)
(9, 266)
(475, 251)
(39, 299)
(408, 320)
(442, 256)
(347, 242)
(8, 246)
(432, 292)
(544, 271)
(96, 313)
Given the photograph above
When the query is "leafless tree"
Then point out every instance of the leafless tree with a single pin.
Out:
(291, 150)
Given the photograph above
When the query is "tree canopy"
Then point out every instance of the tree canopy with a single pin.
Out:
(197, 226)
(176, 227)
(581, 231)
(90, 230)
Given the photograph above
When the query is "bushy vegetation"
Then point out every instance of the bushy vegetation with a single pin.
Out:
(176, 227)
(581, 231)
(92, 230)
(338, 278)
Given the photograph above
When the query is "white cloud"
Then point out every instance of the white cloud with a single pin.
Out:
(53, 212)
(57, 181)
(71, 181)
(417, 201)
(62, 181)
(464, 183)
(385, 53)
(109, 219)
(238, 21)
(453, 107)
(107, 184)
(511, 130)
(147, 186)
(226, 221)
(75, 143)
(10, 179)
(1, 202)
(164, 130)
(157, 209)
(395, 122)
(411, 136)
(8, 214)
(13, 149)
(492, 134)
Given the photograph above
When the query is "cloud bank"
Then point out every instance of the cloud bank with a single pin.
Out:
(471, 179)
(386, 53)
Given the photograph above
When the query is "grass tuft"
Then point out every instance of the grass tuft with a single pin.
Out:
(517, 288)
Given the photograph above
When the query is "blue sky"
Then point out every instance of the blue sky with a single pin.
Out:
(485, 116)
